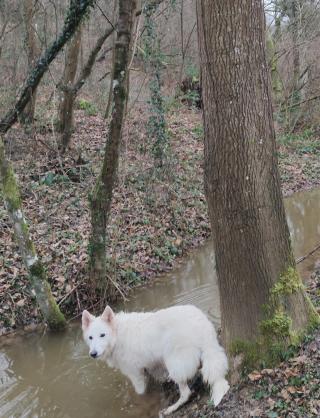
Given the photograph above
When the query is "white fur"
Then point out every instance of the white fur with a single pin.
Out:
(180, 339)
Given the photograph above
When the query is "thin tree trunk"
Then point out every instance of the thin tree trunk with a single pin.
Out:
(27, 115)
(65, 109)
(74, 16)
(263, 304)
(132, 51)
(295, 29)
(73, 90)
(101, 196)
(294, 13)
(110, 95)
(182, 44)
(273, 65)
(37, 274)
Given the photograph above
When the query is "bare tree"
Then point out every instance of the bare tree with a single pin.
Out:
(65, 110)
(101, 196)
(73, 90)
(33, 52)
(264, 306)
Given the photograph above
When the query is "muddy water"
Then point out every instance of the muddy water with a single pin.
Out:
(52, 375)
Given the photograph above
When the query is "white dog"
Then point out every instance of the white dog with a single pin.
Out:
(179, 339)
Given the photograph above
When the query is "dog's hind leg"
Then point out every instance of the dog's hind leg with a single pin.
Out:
(182, 365)
(185, 393)
(138, 380)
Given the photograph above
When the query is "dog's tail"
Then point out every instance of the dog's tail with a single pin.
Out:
(214, 368)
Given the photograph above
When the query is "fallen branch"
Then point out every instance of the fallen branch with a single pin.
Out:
(308, 255)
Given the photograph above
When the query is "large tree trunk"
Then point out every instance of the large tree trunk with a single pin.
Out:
(101, 196)
(65, 109)
(37, 274)
(27, 115)
(263, 304)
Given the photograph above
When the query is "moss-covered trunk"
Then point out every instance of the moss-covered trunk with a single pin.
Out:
(101, 196)
(37, 274)
(263, 304)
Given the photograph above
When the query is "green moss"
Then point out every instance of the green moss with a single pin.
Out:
(49, 308)
(10, 190)
(279, 325)
(37, 270)
(263, 352)
(277, 339)
(250, 350)
(288, 283)
(55, 319)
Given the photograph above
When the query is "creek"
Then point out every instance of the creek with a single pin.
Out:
(52, 375)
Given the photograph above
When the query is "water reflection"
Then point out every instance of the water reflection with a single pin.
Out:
(52, 375)
(303, 216)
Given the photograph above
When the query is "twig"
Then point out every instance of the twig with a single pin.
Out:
(308, 255)
(104, 76)
(105, 16)
(304, 101)
(69, 293)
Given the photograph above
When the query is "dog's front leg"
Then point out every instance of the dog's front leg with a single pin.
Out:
(138, 380)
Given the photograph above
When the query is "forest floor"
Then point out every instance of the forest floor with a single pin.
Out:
(291, 390)
(157, 216)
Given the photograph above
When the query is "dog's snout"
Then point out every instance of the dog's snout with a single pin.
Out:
(93, 354)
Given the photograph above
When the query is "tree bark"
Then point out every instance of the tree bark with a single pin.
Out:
(74, 16)
(260, 289)
(37, 274)
(101, 196)
(65, 108)
(27, 116)
(110, 95)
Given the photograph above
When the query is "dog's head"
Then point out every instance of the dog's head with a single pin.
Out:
(99, 332)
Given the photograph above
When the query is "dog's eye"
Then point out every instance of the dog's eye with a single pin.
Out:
(90, 338)
(102, 335)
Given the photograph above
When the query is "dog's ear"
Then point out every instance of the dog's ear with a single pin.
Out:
(108, 315)
(86, 319)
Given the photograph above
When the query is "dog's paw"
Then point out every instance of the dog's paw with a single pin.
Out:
(220, 388)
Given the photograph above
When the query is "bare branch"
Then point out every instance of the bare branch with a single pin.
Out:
(74, 16)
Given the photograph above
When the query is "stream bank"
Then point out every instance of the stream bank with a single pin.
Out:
(155, 221)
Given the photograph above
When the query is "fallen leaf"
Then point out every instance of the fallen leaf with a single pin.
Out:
(255, 375)
(285, 394)
(299, 360)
